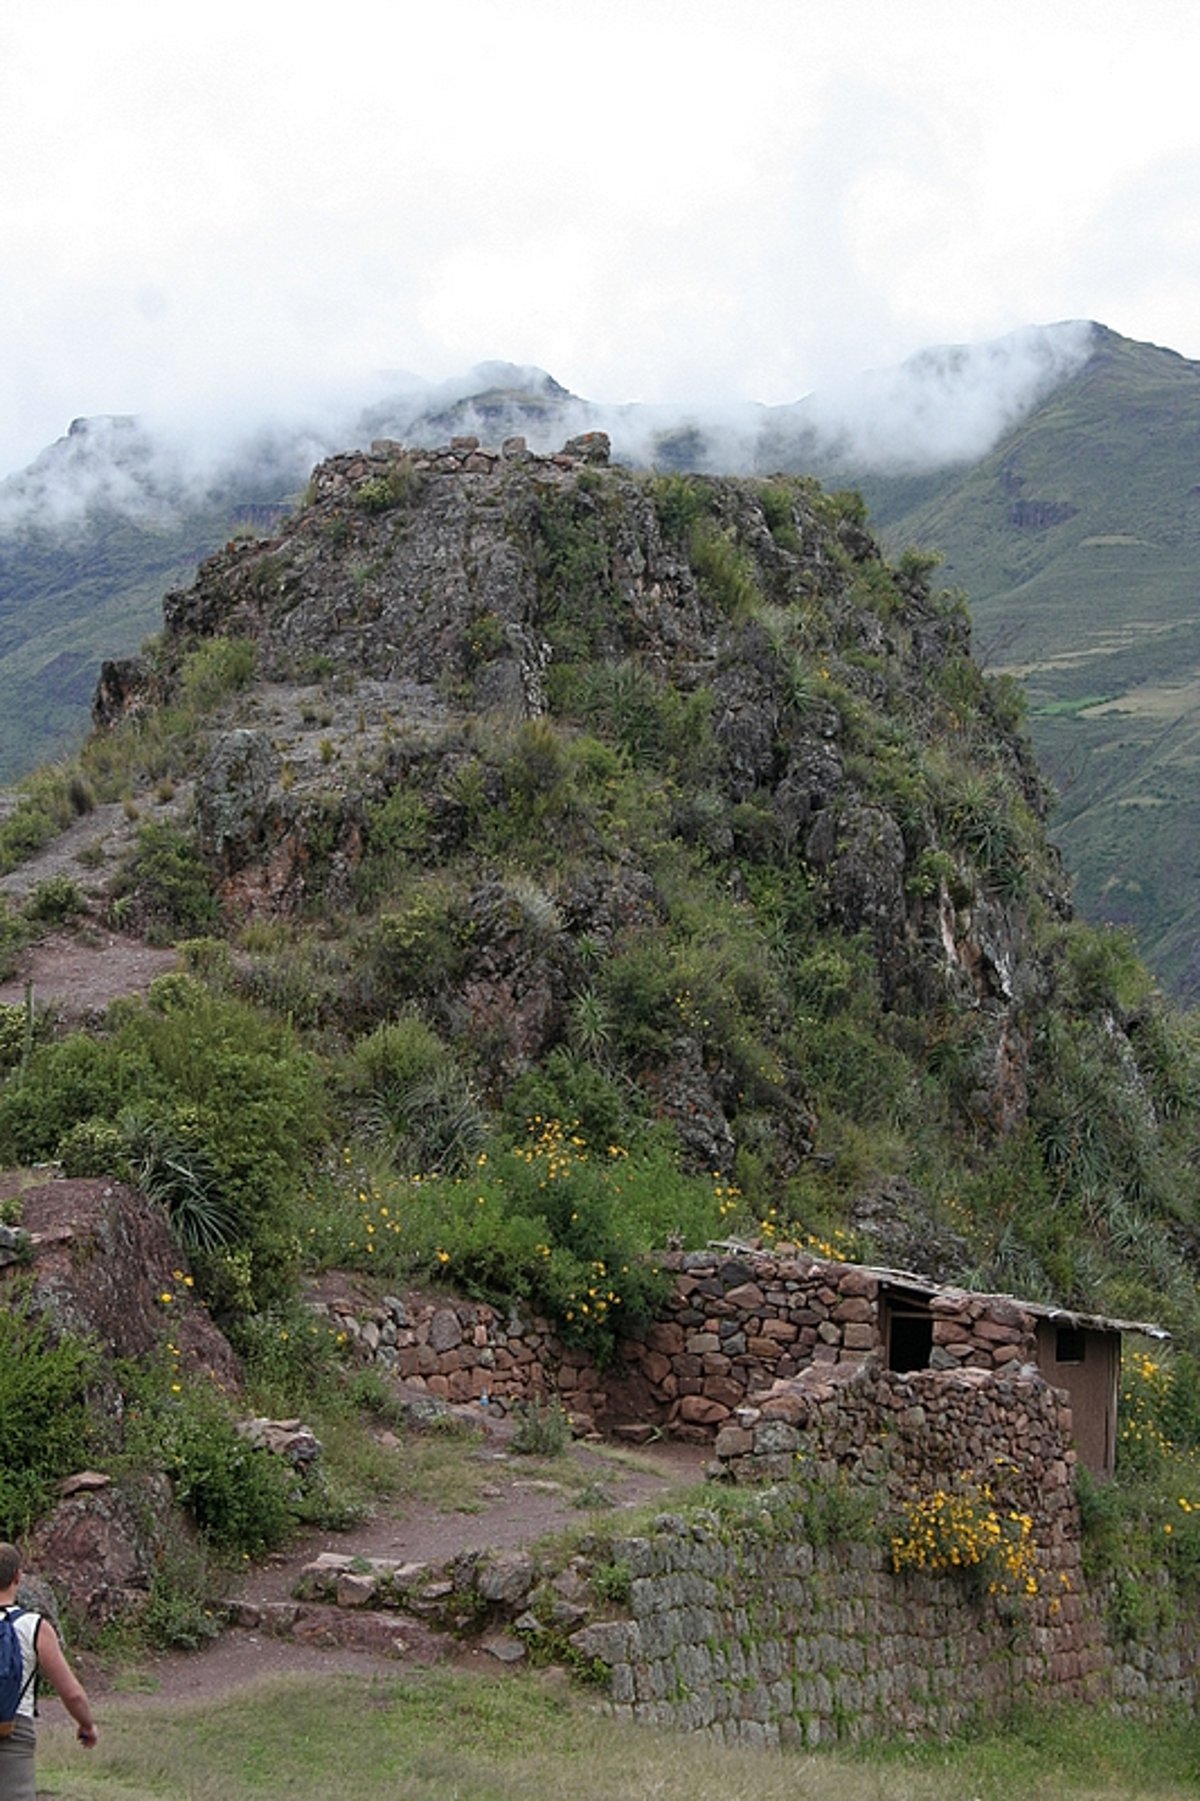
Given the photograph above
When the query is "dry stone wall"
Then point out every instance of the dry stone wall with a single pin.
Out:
(781, 1618)
(753, 1634)
(732, 1327)
(466, 1351)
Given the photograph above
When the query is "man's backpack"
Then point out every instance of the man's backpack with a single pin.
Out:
(13, 1680)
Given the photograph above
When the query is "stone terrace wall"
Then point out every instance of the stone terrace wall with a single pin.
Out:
(748, 1629)
(905, 1436)
(773, 1641)
(764, 1639)
(760, 1636)
(463, 1351)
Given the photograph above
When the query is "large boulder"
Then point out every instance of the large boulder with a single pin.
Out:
(105, 1266)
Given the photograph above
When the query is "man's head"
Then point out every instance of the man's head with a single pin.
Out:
(10, 1565)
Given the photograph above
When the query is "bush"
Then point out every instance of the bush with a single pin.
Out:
(55, 901)
(17, 1028)
(43, 1406)
(726, 573)
(164, 887)
(417, 946)
(546, 1220)
(238, 1497)
(220, 1108)
(399, 483)
(217, 667)
(542, 1429)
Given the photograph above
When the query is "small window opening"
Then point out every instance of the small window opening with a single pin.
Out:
(1070, 1345)
(910, 1341)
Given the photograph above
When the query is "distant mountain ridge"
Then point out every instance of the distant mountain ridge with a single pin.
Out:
(1077, 540)
(1057, 470)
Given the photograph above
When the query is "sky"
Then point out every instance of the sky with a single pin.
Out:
(210, 214)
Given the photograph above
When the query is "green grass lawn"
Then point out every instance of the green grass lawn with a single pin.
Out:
(445, 1737)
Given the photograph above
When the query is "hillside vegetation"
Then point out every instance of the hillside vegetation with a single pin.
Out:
(567, 861)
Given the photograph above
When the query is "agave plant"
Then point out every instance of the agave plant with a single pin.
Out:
(177, 1173)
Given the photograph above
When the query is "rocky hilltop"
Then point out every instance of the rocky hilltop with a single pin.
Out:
(666, 797)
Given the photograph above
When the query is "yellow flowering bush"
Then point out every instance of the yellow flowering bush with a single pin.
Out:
(962, 1527)
(1146, 1435)
(549, 1218)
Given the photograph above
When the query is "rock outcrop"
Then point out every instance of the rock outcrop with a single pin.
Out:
(797, 706)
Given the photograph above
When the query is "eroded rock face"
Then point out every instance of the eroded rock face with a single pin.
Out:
(105, 1267)
(232, 794)
(99, 1549)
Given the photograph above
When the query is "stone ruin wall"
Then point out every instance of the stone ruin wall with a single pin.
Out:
(732, 1327)
(767, 1637)
(770, 1639)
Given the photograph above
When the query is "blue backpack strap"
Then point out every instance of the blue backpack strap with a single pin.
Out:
(12, 1614)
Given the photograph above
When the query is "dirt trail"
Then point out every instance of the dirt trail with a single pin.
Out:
(519, 1503)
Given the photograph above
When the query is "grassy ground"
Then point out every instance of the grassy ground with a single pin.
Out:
(442, 1737)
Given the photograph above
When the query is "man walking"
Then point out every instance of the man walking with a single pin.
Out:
(41, 1653)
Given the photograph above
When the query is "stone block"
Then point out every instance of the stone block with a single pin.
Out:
(747, 1297)
(445, 1330)
(698, 1343)
(699, 1410)
(733, 1441)
(854, 1281)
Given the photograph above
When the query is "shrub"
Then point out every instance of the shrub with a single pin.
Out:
(399, 483)
(963, 1528)
(222, 1107)
(544, 1220)
(655, 724)
(726, 573)
(55, 901)
(238, 1496)
(215, 668)
(418, 945)
(778, 500)
(17, 1029)
(542, 1429)
(395, 1055)
(680, 502)
(164, 886)
(47, 1430)
(14, 934)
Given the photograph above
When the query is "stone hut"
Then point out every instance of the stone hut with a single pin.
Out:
(741, 1322)
(924, 1326)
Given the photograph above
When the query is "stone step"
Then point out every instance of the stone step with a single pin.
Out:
(346, 1628)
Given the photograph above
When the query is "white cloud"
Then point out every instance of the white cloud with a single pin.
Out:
(215, 209)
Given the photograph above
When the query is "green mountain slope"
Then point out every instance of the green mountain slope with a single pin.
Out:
(1077, 540)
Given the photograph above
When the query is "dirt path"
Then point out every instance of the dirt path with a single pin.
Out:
(73, 975)
(518, 1503)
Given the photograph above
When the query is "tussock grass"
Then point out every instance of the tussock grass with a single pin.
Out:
(435, 1736)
